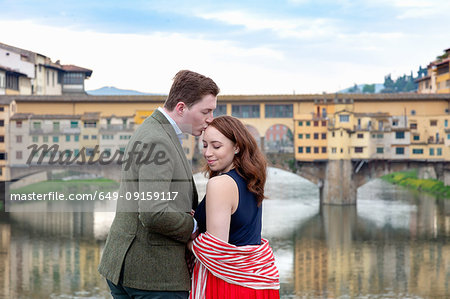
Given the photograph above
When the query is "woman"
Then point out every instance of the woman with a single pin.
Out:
(232, 259)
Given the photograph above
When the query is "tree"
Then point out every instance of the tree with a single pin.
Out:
(389, 85)
(369, 88)
(354, 89)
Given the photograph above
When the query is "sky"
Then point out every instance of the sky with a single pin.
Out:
(246, 47)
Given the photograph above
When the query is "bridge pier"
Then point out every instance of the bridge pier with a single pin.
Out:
(338, 187)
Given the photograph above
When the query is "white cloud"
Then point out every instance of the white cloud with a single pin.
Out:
(284, 27)
(141, 62)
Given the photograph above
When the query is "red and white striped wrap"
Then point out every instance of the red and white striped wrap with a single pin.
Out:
(251, 266)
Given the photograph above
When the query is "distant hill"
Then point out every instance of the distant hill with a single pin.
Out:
(378, 88)
(113, 91)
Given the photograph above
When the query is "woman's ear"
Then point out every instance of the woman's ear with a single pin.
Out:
(236, 150)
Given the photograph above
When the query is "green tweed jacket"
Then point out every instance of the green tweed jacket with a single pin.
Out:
(152, 226)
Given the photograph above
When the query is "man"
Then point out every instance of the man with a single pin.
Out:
(144, 255)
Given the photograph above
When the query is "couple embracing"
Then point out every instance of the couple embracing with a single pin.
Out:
(177, 248)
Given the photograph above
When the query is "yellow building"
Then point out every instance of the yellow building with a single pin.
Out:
(438, 78)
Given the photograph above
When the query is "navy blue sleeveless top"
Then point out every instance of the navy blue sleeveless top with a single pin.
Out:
(246, 221)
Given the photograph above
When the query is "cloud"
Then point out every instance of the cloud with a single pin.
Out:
(145, 62)
(284, 27)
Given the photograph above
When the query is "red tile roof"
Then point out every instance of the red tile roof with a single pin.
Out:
(74, 68)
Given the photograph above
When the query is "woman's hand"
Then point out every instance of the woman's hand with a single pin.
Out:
(189, 244)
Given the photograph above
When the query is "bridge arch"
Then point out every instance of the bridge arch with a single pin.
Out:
(279, 138)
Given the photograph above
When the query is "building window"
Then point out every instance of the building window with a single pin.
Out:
(308, 123)
(333, 150)
(308, 149)
(400, 135)
(395, 122)
(358, 149)
(19, 139)
(413, 112)
(12, 81)
(55, 126)
(417, 151)
(245, 111)
(90, 124)
(439, 151)
(85, 137)
(45, 139)
(360, 136)
(107, 153)
(73, 124)
(19, 124)
(19, 155)
(2, 123)
(316, 123)
(93, 137)
(35, 138)
(220, 110)
(300, 123)
(89, 151)
(324, 149)
(446, 123)
(36, 125)
(279, 111)
(55, 139)
(76, 137)
(416, 137)
(316, 150)
(316, 136)
(413, 126)
(431, 151)
(344, 118)
(433, 123)
(2, 156)
(324, 135)
(300, 136)
(300, 149)
(400, 150)
(380, 136)
(307, 136)
(380, 150)
(67, 137)
(73, 78)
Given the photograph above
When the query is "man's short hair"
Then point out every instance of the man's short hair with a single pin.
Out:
(189, 87)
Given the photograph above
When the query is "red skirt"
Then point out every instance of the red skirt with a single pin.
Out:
(218, 288)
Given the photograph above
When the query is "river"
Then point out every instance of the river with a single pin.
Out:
(393, 244)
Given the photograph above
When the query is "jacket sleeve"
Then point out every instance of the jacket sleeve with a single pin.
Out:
(156, 184)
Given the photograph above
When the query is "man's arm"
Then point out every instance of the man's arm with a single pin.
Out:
(165, 217)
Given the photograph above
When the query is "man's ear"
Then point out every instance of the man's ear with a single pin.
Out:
(180, 107)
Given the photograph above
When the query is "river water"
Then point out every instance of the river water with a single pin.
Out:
(393, 244)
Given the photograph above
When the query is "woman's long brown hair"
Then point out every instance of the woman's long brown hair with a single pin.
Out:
(249, 162)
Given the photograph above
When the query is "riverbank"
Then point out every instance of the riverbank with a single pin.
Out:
(72, 186)
(410, 180)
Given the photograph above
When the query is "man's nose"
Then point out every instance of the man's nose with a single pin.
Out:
(210, 118)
